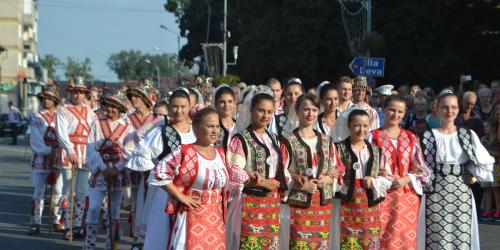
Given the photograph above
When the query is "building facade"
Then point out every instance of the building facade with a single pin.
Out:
(20, 73)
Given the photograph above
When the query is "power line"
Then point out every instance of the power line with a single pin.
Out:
(73, 42)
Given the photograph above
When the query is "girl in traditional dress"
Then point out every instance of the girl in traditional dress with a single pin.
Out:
(364, 187)
(225, 103)
(312, 163)
(456, 158)
(43, 142)
(195, 177)
(105, 157)
(329, 101)
(156, 145)
(401, 154)
(257, 176)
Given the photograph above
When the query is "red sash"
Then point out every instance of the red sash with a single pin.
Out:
(110, 151)
(77, 137)
(136, 122)
(50, 137)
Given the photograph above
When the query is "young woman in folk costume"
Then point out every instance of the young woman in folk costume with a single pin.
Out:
(73, 123)
(43, 142)
(225, 104)
(156, 145)
(195, 177)
(312, 163)
(364, 187)
(292, 91)
(456, 158)
(401, 154)
(257, 176)
(105, 158)
(329, 98)
(141, 119)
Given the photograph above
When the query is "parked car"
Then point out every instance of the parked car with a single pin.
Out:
(5, 126)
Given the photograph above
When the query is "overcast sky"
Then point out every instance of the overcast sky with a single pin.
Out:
(98, 28)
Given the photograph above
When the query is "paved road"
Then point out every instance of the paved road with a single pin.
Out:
(15, 200)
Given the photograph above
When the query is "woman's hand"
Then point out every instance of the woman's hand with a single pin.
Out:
(269, 184)
(300, 180)
(310, 186)
(400, 182)
(368, 182)
(188, 201)
(417, 169)
(324, 180)
(333, 173)
(254, 179)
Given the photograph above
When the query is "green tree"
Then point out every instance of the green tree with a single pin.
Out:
(135, 65)
(52, 64)
(73, 67)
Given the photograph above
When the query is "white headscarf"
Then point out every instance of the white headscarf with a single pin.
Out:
(340, 129)
(245, 115)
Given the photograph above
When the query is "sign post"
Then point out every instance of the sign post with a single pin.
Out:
(368, 66)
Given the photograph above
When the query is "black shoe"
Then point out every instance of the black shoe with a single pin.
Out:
(34, 230)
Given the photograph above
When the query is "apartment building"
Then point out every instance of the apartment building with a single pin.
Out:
(21, 76)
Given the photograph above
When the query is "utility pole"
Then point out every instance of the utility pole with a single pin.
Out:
(224, 44)
(368, 21)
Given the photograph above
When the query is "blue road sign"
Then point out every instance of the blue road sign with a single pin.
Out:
(367, 66)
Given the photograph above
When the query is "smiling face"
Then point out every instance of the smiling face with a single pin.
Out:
(448, 108)
(330, 101)
(359, 93)
(262, 113)
(394, 113)
(307, 113)
(359, 127)
(207, 130)
(225, 105)
(345, 91)
(112, 113)
(179, 109)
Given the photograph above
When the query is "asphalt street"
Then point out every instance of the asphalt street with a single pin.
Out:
(15, 202)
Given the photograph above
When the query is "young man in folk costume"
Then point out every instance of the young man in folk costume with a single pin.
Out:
(359, 97)
(73, 122)
(141, 119)
(105, 160)
(160, 141)
(43, 142)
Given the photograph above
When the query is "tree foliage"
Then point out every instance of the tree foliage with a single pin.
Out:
(52, 64)
(430, 42)
(135, 65)
(74, 67)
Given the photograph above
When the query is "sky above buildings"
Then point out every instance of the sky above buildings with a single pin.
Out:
(98, 28)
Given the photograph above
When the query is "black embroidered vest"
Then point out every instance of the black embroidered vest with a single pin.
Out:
(348, 157)
(301, 154)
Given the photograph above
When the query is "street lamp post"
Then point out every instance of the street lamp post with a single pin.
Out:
(178, 50)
